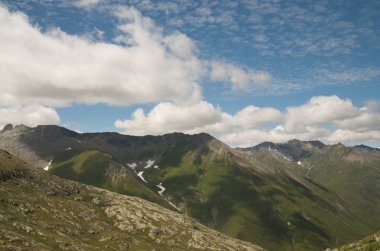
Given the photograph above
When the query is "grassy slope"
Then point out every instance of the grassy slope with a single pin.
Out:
(354, 181)
(90, 167)
(275, 211)
(42, 212)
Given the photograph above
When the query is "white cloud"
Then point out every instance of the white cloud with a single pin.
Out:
(168, 117)
(319, 110)
(253, 137)
(352, 136)
(362, 123)
(326, 118)
(240, 79)
(180, 45)
(253, 117)
(29, 115)
(57, 69)
(86, 3)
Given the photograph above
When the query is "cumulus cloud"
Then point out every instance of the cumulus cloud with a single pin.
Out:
(368, 119)
(319, 110)
(141, 65)
(57, 69)
(86, 3)
(29, 115)
(353, 136)
(240, 79)
(196, 118)
(168, 117)
(327, 118)
(252, 137)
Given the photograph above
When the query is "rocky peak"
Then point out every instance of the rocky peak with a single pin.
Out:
(54, 131)
(7, 128)
(305, 144)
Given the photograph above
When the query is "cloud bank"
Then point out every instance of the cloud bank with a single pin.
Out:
(58, 69)
(142, 65)
(32, 115)
(327, 118)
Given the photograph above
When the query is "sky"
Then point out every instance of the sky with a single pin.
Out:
(244, 71)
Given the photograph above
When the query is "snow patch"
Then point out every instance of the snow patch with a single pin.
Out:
(140, 174)
(162, 189)
(46, 168)
(132, 166)
(286, 158)
(173, 205)
(308, 172)
(300, 163)
(149, 163)
(155, 167)
(270, 149)
(69, 148)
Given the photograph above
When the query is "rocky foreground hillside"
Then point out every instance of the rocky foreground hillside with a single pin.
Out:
(371, 243)
(39, 211)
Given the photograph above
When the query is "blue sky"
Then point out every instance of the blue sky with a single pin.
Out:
(245, 71)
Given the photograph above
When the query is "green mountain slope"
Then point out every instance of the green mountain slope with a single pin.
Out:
(98, 169)
(351, 172)
(278, 209)
(260, 195)
(39, 211)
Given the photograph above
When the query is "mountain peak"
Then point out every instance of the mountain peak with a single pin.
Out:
(54, 130)
(313, 143)
(7, 127)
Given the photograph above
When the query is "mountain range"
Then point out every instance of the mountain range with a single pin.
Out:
(292, 196)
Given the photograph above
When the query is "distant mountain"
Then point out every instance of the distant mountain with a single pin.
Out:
(351, 172)
(262, 194)
(39, 211)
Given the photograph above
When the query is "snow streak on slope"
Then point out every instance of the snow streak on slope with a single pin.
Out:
(162, 189)
(46, 168)
(140, 174)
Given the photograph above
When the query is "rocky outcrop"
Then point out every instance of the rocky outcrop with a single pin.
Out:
(367, 244)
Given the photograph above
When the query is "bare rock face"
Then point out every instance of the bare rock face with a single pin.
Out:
(39, 211)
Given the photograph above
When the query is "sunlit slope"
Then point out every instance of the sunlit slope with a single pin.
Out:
(98, 169)
(39, 211)
(261, 195)
(274, 208)
(353, 173)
